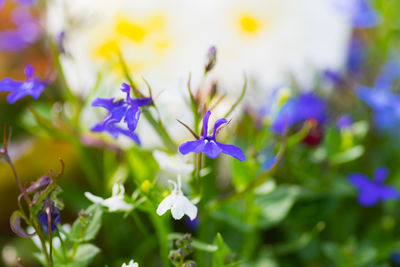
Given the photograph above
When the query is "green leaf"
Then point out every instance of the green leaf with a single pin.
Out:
(142, 164)
(222, 256)
(349, 155)
(84, 255)
(276, 205)
(85, 228)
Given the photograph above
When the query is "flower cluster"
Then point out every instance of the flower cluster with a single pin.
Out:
(127, 110)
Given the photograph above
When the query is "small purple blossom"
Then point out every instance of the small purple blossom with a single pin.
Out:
(306, 106)
(385, 103)
(208, 145)
(373, 191)
(361, 14)
(345, 121)
(28, 31)
(43, 220)
(127, 111)
(18, 89)
(364, 16)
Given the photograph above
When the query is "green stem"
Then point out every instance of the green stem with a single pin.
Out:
(42, 240)
(162, 233)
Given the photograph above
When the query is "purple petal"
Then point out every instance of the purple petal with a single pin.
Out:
(116, 115)
(368, 198)
(211, 149)
(115, 131)
(9, 85)
(388, 75)
(192, 146)
(377, 99)
(388, 192)
(233, 151)
(132, 117)
(141, 101)
(29, 72)
(205, 123)
(217, 124)
(125, 88)
(380, 174)
(107, 103)
(360, 181)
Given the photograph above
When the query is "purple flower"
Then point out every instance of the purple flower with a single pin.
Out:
(299, 109)
(44, 221)
(372, 191)
(31, 86)
(385, 103)
(344, 122)
(27, 31)
(364, 16)
(208, 144)
(127, 111)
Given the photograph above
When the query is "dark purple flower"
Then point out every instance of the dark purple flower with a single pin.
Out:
(208, 144)
(385, 103)
(299, 109)
(126, 110)
(31, 86)
(55, 219)
(373, 191)
(344, 122)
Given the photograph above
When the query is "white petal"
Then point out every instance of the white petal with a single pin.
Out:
(118, 189)
(117, 203)
(177, 209)
(183, 206)
(94, 199)
(189, 209)
(166, 204)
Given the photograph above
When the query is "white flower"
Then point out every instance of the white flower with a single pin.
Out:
(178, 203)
(130, 264)
(272, 41)
(115, 203)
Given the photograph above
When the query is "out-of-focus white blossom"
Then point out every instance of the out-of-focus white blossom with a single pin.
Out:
(272, 41)
(173, 165)
(177, 203)
(114, 203)
(130, 264)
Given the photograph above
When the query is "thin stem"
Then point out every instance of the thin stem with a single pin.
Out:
(42, 241)
(23, 191)
(198, 169)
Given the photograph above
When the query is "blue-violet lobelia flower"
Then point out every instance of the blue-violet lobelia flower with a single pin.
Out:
(18, 89)
(208, 144)
(297, 110)
(373, 191)
(127, 111)
(43, 220)
(385, 103)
